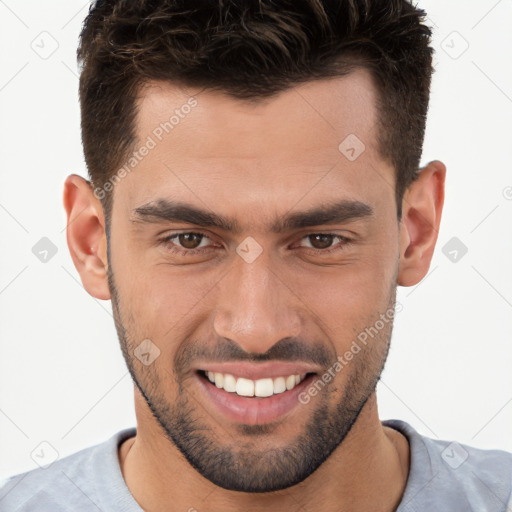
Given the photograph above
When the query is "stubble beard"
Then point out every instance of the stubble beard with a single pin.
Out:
(250, 463)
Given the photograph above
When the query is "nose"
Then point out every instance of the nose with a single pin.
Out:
(256, 307)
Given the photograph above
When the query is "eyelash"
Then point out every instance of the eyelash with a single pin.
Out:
(192, 252)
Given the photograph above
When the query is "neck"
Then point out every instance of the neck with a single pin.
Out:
(367, 471)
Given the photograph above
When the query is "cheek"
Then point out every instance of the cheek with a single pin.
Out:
(163, 302)
(346, 299)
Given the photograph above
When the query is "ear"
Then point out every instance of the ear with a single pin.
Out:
(86, 235)
(422, 206)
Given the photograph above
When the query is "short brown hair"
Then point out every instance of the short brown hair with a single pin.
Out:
(251, 49)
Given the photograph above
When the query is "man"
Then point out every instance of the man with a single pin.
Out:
(254, 202)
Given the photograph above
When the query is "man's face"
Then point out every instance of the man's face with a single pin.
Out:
(268, 299)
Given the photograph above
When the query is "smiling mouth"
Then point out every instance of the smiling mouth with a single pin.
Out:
(254, 394)
(259, 388)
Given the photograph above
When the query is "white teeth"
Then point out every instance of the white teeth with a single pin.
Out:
(219, 380)
(279, 385)
(245, 387)
(260, 388)
(229, 383)
(264, 387)
(290, 382)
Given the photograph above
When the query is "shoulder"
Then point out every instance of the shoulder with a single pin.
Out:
(70, 483)
(447, 473)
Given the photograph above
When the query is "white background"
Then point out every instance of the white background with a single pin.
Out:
(62, 376)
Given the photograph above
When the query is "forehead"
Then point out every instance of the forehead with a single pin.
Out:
(208, 146)
(311, 115)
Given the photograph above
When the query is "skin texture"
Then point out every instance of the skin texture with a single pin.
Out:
(256, 163)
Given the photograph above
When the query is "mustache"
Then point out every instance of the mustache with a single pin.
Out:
(226, 350)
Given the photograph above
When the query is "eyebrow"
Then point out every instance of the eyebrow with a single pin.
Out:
(164, 210)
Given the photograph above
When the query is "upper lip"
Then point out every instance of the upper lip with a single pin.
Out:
(255, 371)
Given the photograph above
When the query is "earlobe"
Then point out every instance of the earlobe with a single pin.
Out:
(86, 235)
(422, 206)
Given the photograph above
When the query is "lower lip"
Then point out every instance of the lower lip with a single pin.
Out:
(254, 410)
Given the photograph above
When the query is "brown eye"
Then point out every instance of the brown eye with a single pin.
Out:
(325, 243)
(187, 243)
(190, 240)
(321, 241)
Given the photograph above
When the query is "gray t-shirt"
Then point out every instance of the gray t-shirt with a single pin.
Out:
(443, 477)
